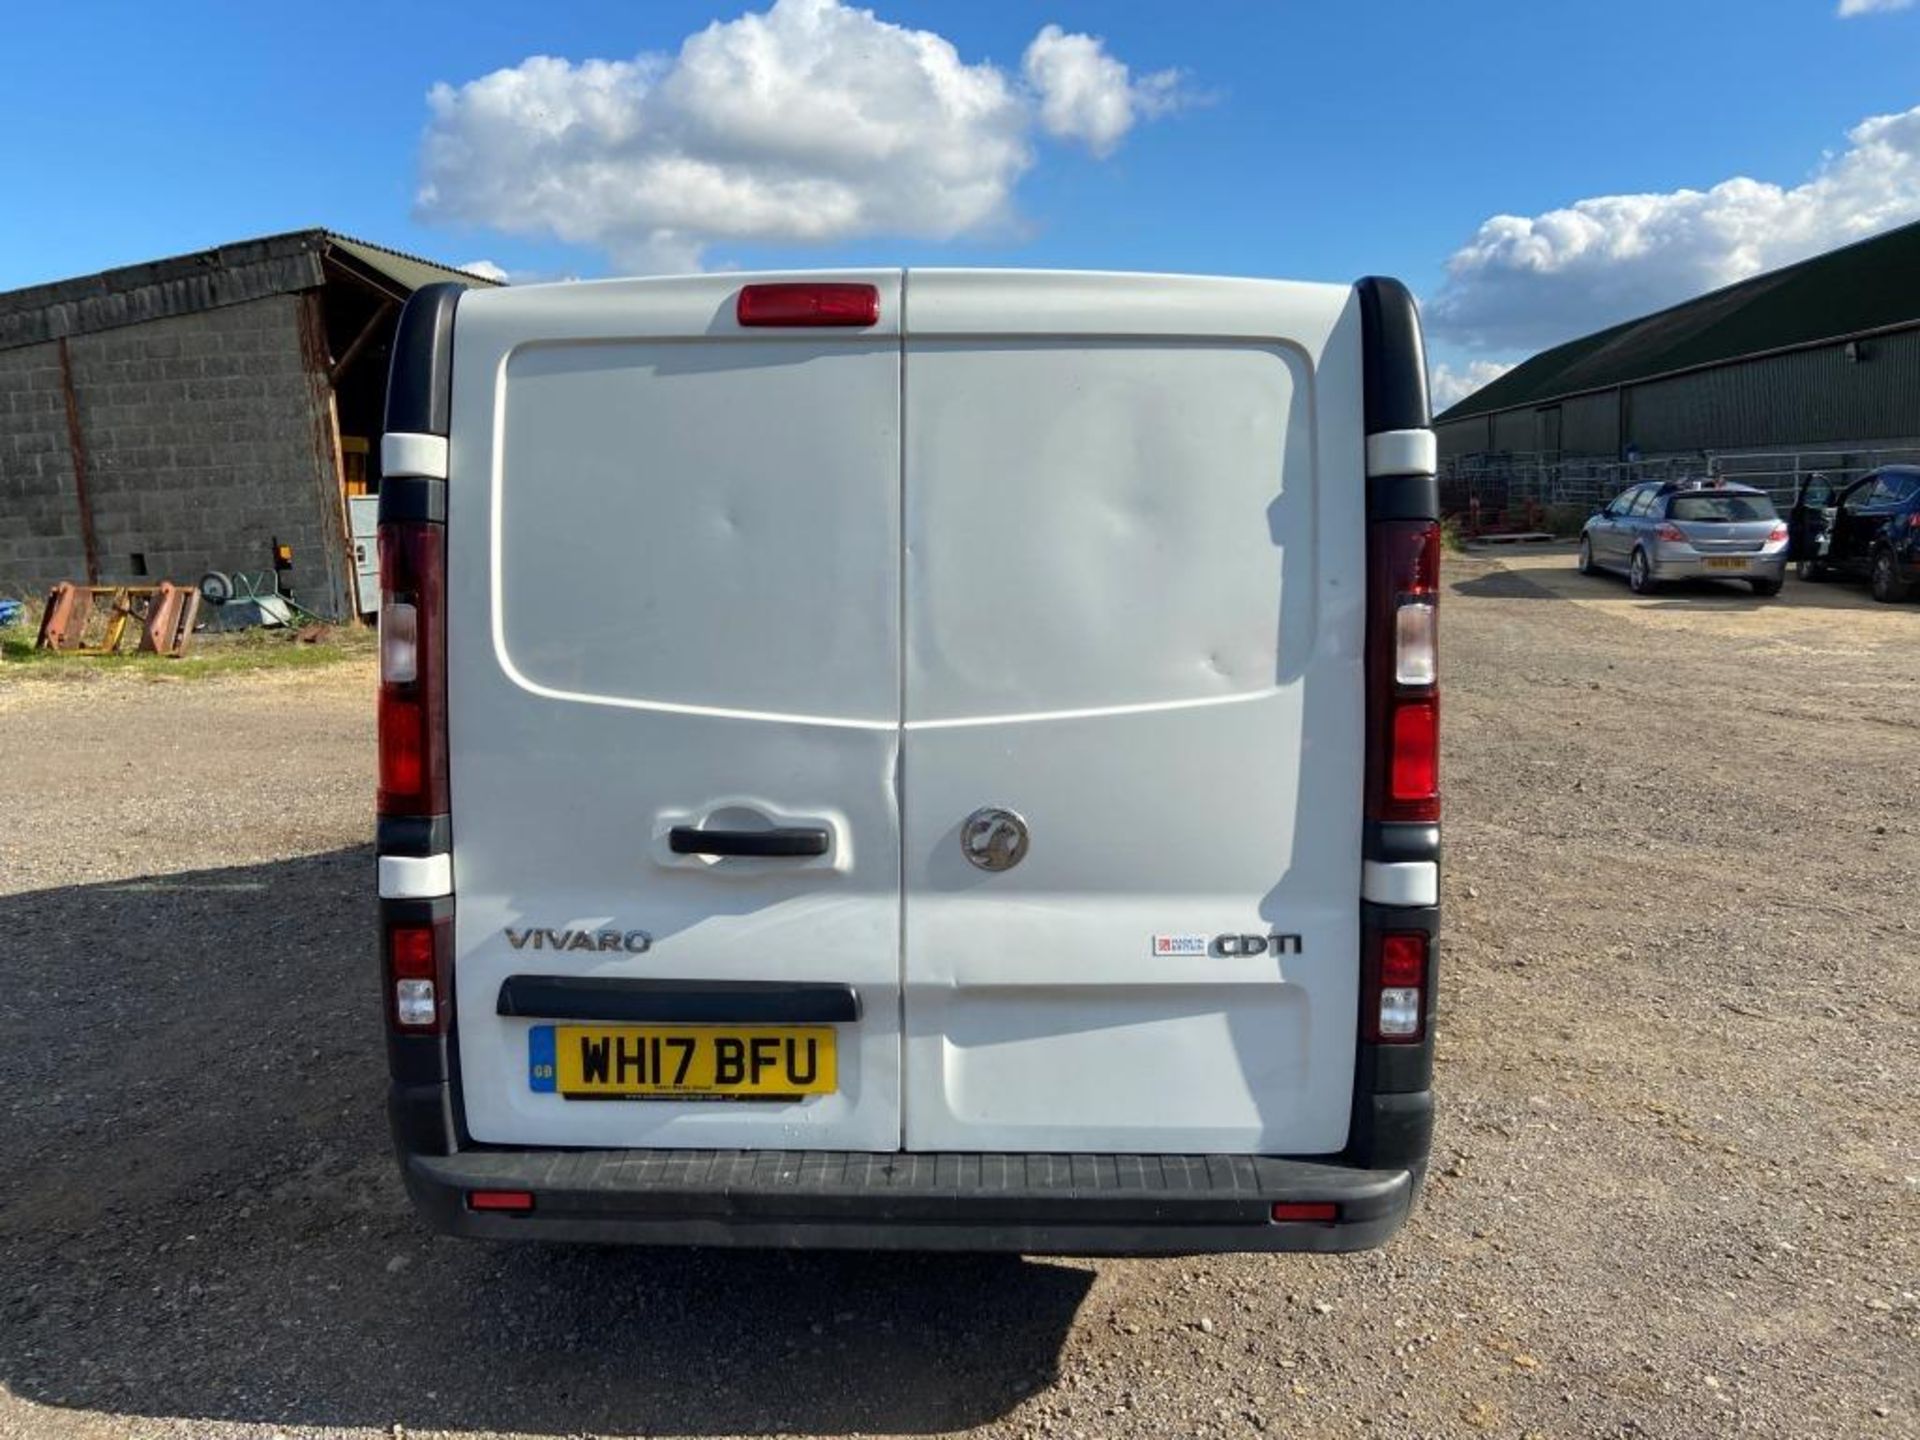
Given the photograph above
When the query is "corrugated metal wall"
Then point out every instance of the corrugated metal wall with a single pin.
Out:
(1514, 430)
(1799, 398)
(1804, 398)
(1471, 436)
(1590, 424)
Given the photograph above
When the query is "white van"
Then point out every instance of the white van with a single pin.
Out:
(936, 759)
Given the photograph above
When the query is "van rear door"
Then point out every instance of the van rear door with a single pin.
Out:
(673, 605)
(1135, 598)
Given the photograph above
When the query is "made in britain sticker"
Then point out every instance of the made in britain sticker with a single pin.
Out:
(1181, 944)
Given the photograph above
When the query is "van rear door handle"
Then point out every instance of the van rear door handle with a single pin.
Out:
(781, 840)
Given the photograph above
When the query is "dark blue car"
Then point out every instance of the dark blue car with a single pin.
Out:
(1871, 531)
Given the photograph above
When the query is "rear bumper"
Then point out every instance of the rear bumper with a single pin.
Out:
(1671, 564)
(1060, 1204)
(1031, 1204)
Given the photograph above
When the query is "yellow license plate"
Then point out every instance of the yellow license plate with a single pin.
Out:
(616, 1062)
(1724, 563)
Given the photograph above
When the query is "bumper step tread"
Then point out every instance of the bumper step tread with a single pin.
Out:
(1071, 1202)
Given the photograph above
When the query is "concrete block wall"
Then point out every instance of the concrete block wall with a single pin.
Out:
(39, 512)
(206, 436)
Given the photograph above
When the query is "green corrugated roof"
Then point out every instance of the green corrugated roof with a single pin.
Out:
(1870, 285)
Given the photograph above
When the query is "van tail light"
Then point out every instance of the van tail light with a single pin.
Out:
(419, 968)
(1403, 670)
(1394, 987)
(413, 677)
(809, 303)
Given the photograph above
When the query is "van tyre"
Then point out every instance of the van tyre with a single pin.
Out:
(1766, 587)
(1888, 587)
(1585, 562)
(1640, 574)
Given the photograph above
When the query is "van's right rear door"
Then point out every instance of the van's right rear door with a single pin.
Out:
(1135, 598)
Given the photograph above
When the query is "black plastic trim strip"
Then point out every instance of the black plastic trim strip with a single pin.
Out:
(421, 1099)
(784, 840)
(413, 835)
(1397, 841)
(420, 381)
(1403, 497)
(1397, 1067)
(413, 497)
(415, 912)
(1392, 1122)
(1394, 360)
(684, 1002)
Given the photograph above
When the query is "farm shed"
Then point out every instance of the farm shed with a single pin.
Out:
(1822, 355)
(182, 415)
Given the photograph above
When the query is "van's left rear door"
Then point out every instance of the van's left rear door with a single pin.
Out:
(673, 601)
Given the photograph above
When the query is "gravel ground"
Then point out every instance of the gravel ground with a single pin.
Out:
(1676, 1189)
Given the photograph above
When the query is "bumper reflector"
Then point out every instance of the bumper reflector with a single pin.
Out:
(519, 1201)
(1322, 1211)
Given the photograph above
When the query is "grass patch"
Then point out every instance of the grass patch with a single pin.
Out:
(209, 655)
(1566, 521)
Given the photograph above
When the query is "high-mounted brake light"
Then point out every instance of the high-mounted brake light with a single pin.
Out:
(1403, 670)
(809, 303)
(413, 713)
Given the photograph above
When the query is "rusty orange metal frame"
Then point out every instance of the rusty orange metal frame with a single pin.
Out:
(166, 613)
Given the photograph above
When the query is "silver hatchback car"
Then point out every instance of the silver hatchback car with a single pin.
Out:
(1684, 530)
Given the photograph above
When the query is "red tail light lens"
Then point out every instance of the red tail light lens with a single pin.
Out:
(1403, 958)
(811, 303)
(1394, 1000)
(403, 750)
(1779, 533)
(413, 713)
(1415, 774)
(419, 976)
(1403, 694)
(1671, 532)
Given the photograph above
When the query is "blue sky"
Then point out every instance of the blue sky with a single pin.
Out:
(1311, 139)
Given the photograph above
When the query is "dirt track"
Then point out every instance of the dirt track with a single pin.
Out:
(1676, 1190)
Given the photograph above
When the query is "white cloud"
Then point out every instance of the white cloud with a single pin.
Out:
(810, 123)
(1087, 95)
(486, 270)
(1448, 386)
(1523, 282)
(1869, 7)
